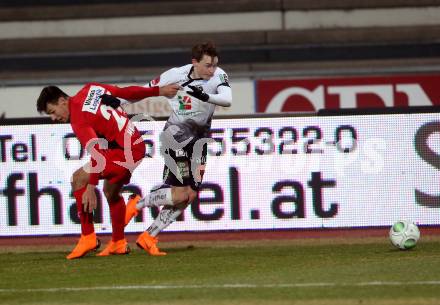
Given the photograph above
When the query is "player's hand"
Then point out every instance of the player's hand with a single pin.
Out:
(169, 91)
(89, 199)
(198, 93)
(110, 100)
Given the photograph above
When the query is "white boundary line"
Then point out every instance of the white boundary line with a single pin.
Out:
(223, 286)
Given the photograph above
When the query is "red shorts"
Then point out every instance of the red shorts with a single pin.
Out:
(118, 173)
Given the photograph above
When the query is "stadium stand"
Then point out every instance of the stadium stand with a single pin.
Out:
(84, 40)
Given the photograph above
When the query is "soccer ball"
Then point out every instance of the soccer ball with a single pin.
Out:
(404, 234)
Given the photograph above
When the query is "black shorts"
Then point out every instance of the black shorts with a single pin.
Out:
(184, 163)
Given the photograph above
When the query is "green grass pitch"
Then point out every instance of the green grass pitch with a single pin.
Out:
(298, 271)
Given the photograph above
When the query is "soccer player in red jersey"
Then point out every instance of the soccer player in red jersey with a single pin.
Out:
(116, 148)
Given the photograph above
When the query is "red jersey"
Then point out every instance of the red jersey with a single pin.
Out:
(91, 120)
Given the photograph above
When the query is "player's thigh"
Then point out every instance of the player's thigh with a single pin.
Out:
(115, 170)
(197, 169)
(79, 179)
(178, 173)
(192, 194)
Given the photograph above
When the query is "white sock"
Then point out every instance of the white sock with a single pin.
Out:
(142, 203)
(166, 216)
(156, 198)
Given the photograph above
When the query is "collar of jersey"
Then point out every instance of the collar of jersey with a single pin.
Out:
(190, 79)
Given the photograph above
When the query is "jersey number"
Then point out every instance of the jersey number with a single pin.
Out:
(107, 112)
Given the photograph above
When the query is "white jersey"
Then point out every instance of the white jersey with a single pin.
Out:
(191, 115)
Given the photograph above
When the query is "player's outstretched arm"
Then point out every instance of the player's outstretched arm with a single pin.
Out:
(169, 91)
(136, 93)
(133, 93)
(222, 98)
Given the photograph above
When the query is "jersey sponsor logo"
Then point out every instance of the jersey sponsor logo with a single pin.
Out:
(184, 102)
(92, 101)
(224, 78)
(183, 169)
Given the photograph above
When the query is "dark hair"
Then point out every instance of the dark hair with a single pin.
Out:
(207, 48)
(49, 95)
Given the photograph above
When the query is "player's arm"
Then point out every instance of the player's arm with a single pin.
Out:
(222, 98)
(133, 93)
(136, 93)
(169, 91)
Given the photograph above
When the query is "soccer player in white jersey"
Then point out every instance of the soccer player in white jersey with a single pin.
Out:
(203, 87)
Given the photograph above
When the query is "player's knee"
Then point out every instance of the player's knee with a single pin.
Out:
(183, 196)
(180, 196)
(111, 195)
(108, 195)
(192, 195)
(78, 180)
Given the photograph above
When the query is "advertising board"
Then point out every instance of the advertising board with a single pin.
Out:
(262, 173)
(311, 95)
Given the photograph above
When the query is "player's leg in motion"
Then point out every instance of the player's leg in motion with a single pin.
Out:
(118, 244)
(159, 195)
(182, 197)
(88, 241)
(179, 190)
(174, 199)
(170, 193)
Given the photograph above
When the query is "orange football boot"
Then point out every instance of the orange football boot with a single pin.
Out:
(85, 244)
(131, 210)
(148, 243)
(115, 247)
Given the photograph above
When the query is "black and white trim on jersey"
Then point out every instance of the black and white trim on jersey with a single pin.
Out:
(192, 116)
